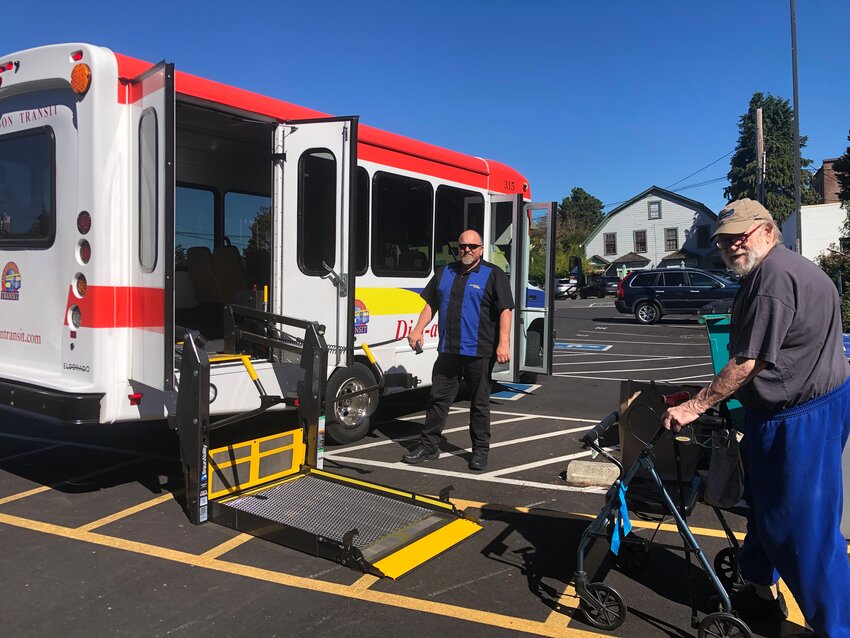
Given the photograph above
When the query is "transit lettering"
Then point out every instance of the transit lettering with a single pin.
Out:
(34, 115)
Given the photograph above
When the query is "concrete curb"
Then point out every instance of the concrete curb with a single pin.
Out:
(596, 473)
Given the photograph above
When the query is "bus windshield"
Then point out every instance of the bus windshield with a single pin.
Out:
(26, 188)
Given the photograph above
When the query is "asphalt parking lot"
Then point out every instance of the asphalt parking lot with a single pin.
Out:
(95, 542)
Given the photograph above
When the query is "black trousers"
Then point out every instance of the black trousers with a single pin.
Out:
(448, 370)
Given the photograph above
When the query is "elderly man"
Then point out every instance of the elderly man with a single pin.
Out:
(787, 367)
(473, 298)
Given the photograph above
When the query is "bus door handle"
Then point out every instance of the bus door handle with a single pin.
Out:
(340, 281)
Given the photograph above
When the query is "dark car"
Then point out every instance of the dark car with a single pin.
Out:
(650, 294)
(599, 287)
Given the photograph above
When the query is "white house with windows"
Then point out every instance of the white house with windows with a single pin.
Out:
(655, 229)
(823, 230)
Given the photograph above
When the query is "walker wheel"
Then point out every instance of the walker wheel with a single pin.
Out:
(726, 568)
(613, 608)
(723, 625)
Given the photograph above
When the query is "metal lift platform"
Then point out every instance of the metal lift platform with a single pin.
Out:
(269, 486)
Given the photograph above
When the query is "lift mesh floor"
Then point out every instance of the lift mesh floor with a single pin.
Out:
(330, 509)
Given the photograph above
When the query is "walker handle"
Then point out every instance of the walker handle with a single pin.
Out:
(600, 428)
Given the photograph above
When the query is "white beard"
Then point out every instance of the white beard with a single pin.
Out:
(467, 259)
(751, 260)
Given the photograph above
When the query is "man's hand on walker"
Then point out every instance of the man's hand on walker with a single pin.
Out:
(677, 417)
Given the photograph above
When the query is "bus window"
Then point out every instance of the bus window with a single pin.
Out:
(361, 219)
(194, 213)
(401, 226)
(248, 226)
(148, 190)
(316, 211)
(457, 210)
(27, 189)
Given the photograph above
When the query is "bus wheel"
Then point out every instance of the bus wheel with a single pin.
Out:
(347, 419)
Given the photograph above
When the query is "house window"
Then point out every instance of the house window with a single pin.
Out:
(640, 241)
(610, 243)
(671, 239)
(703, 236)
(654, 210)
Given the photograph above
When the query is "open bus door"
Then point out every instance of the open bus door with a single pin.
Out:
(315, 176)
(151, 305)
(529, 263)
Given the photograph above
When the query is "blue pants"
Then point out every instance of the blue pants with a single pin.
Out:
(796, 496)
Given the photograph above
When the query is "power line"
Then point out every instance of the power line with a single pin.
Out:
(674, 190)
(702, 169)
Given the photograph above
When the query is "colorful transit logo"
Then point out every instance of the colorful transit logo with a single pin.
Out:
(11, 283)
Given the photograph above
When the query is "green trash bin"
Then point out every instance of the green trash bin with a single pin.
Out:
(717, 326)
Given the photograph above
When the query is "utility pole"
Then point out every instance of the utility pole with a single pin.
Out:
(760, 158)
(796, 126)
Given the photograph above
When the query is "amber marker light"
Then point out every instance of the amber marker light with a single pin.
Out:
(81, 285)
(80, 78)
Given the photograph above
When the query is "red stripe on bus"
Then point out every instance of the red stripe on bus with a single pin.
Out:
(119, 307)
(374, 144)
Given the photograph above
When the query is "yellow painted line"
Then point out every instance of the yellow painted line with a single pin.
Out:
(565, 610)
(794, 614)
(364, 582)
(117, 516)
(666, 527)
(45, 488)
(381, 598)
(226, 546)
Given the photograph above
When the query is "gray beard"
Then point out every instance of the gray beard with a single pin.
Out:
(752, 260)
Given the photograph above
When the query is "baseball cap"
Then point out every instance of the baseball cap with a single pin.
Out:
(737, 217)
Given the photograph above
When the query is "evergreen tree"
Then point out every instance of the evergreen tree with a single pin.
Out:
(578, 214)
(778, 123)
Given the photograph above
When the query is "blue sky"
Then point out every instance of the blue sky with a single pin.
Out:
(612, 96)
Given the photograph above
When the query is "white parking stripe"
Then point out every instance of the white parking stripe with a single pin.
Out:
(693, 365)
(466, 475)
(645, 343)
(535, 464)
(581, 363)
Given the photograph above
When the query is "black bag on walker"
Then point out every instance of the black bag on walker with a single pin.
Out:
(724, 484)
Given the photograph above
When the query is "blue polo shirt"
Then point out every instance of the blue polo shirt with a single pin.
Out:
(469, 305)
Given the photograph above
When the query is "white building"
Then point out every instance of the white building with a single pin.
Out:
(656, 229)
(822, 229)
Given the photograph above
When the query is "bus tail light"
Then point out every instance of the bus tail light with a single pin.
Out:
(84, 252)
(76, 56)
(80, 78)
(83, 222)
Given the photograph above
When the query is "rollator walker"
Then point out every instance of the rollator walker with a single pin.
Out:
(641, 490)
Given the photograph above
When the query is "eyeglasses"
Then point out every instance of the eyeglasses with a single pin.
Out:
(469, 246)
(725, 242)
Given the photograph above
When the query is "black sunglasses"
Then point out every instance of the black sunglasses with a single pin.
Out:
(469, 246)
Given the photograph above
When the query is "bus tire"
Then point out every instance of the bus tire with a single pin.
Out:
(348, 420)
(534, 347)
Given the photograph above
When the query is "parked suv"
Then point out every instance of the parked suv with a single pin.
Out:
(650, 294)
(599, 286)
(565, 288)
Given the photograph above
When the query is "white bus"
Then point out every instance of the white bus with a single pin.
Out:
(134, 199)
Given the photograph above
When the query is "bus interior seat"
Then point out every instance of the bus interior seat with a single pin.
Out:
(199, 262)
(413, 260)
(230, 271)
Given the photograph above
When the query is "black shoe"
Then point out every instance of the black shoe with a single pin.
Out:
(748, 603)
(419, 455)
(478, 461)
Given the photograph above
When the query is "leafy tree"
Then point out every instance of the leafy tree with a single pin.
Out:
(578, 214)
(778, 123)
(842, 174)
(837, 266)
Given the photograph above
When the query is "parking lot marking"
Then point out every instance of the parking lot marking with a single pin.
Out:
(404, 467)
(649, 343)
(540, 463)
(117, 516)
(581, 363)
(690, 365)
(346, 591)
(29, 452)
(594, 347)
(46, 488)
(226, 546)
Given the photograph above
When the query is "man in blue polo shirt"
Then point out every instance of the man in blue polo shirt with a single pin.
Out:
(473, 299)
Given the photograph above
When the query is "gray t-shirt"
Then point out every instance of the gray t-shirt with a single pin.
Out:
(787, 313)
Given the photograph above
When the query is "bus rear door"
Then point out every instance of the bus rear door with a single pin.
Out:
(529, 263)
(315, 169)
(151, 312)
